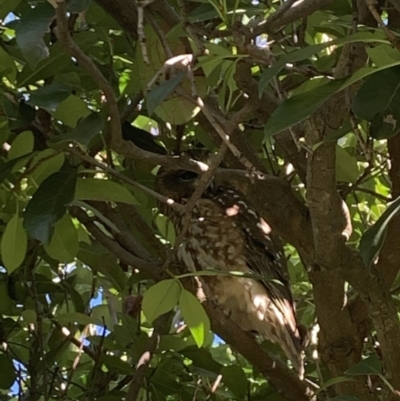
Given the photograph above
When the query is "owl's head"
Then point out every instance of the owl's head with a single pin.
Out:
(180, 184)
(176, 184)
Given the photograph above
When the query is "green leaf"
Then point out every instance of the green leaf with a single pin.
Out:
(30, 31)
(8, 376)
(378, 101)
(7, 168)
(49, 204)
(368, 366)
(71, 110)
(21, 145)
(29, 316)
(6, 6)
(297, 108)
(166, 228)
(372, 240)
(85, 131)
(46, 163)
(160, 298)
(335, 380)
(309, 51)
(79, 318)
(115, 364)
(14, 244)
(161, 92)
(77, 6)
(195, 316)
(346, 166)
(100, 260)
(64, 245)
(344, 397)
(103, 190)
(48, 97)
(236, 380)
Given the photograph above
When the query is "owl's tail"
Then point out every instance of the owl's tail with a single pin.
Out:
(281, 327)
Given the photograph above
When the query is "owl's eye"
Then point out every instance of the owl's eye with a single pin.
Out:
(187, 176)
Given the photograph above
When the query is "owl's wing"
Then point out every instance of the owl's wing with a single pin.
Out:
(264, 256)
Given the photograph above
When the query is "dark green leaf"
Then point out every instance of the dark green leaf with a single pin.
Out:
(297, 108)
(50, 96)
(8, 375)
(202, 358)
(160, 298)
(49, 204)
(368, 366)
(344, 397)
(77, 6)
(195, 316)
(161, 92)
(235, 379)
(85, 131)
(100, 260)
(79, 318)
(378, 101)
(30, 31)
(115, 364)
(372, 240)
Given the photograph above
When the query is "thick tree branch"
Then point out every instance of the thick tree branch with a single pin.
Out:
(148, 268)
(284, 380)
(301, 9)
(389, 258)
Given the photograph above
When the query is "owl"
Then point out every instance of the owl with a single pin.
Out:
(226, 234)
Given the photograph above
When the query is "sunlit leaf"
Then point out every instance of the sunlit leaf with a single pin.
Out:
(195, 316)
(160, 298)
(63, 245)
(14, 243)
(103, 190)
(21, 145)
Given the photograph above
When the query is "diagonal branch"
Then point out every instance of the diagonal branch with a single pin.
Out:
(302, 9)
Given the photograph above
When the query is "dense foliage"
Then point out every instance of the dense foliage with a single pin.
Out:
(302, 98)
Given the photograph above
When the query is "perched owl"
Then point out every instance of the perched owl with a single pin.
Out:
(225, 233)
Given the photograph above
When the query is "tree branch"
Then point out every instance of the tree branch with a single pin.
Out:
(301, 10)
(283, 379)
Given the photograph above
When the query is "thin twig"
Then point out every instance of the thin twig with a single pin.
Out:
(89, 66)
(202, 186)
(114, 247)
(144, 361)
(132, 107)
(389, 34)
(225, 136)
(122, 177)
